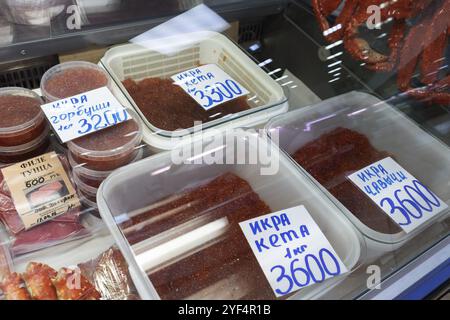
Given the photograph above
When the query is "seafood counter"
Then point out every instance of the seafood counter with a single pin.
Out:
(143, 177)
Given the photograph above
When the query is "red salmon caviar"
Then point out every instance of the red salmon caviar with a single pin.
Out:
(168, 107)
(334, 156)
(21, 118)
(72, 78)
(230, 257)
(109, 148)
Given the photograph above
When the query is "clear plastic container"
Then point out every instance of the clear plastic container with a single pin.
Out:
(134, 62)
(109, 148)
(71, 78)
(90, 177)
(180, 231)
(28, 150)
(354, 121)
(21, 117)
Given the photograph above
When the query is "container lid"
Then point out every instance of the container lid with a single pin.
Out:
(123, 137)
(87, 189)
(15, 101)
(339, 136)
(144, 74)
(177, 221)
(24, 148)
(87, 202)
(71, 78)
(80, 168)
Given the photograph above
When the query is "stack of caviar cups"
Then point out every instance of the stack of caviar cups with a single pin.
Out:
(24, 131)
(93, 157)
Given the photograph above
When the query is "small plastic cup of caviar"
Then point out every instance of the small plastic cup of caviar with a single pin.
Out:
(90, 177)
(87, 176)
(71, 78)
(87, 196)
(26, 151)
(85, 188)
(109, 148)
(90, 205)
(21, 117)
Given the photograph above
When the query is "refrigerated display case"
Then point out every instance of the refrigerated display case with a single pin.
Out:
(331, 91)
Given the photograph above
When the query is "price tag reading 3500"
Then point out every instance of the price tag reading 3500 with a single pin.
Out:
(209, 85)
(399, 194)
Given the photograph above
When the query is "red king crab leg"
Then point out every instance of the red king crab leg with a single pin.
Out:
(435, 27)
(324, 8)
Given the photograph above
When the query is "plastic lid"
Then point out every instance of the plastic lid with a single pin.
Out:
(88, 203)
(89, 190)
(80, 168)
(81, 78)
(87, 194)
(28, 122)
(131, 139)
(24, 148)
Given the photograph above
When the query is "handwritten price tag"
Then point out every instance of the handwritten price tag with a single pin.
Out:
(399, 194)
(291, 250)
(84, 113)
(209, 85)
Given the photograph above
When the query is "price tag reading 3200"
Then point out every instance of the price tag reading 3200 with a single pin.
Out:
(84, 113)
(291, 250)
(399, 194)
(209, 85)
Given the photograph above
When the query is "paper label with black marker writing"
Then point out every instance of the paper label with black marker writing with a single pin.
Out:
(40, 189)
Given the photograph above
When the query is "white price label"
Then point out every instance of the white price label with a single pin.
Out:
(209, 85)
(84, 113)
(291, 250)
(399, 194)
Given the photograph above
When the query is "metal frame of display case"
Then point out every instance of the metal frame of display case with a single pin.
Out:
(419, 278)
(55, 39)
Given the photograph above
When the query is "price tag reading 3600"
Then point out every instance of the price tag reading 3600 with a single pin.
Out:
(209, 85)
(399, 194)
(291, 250)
